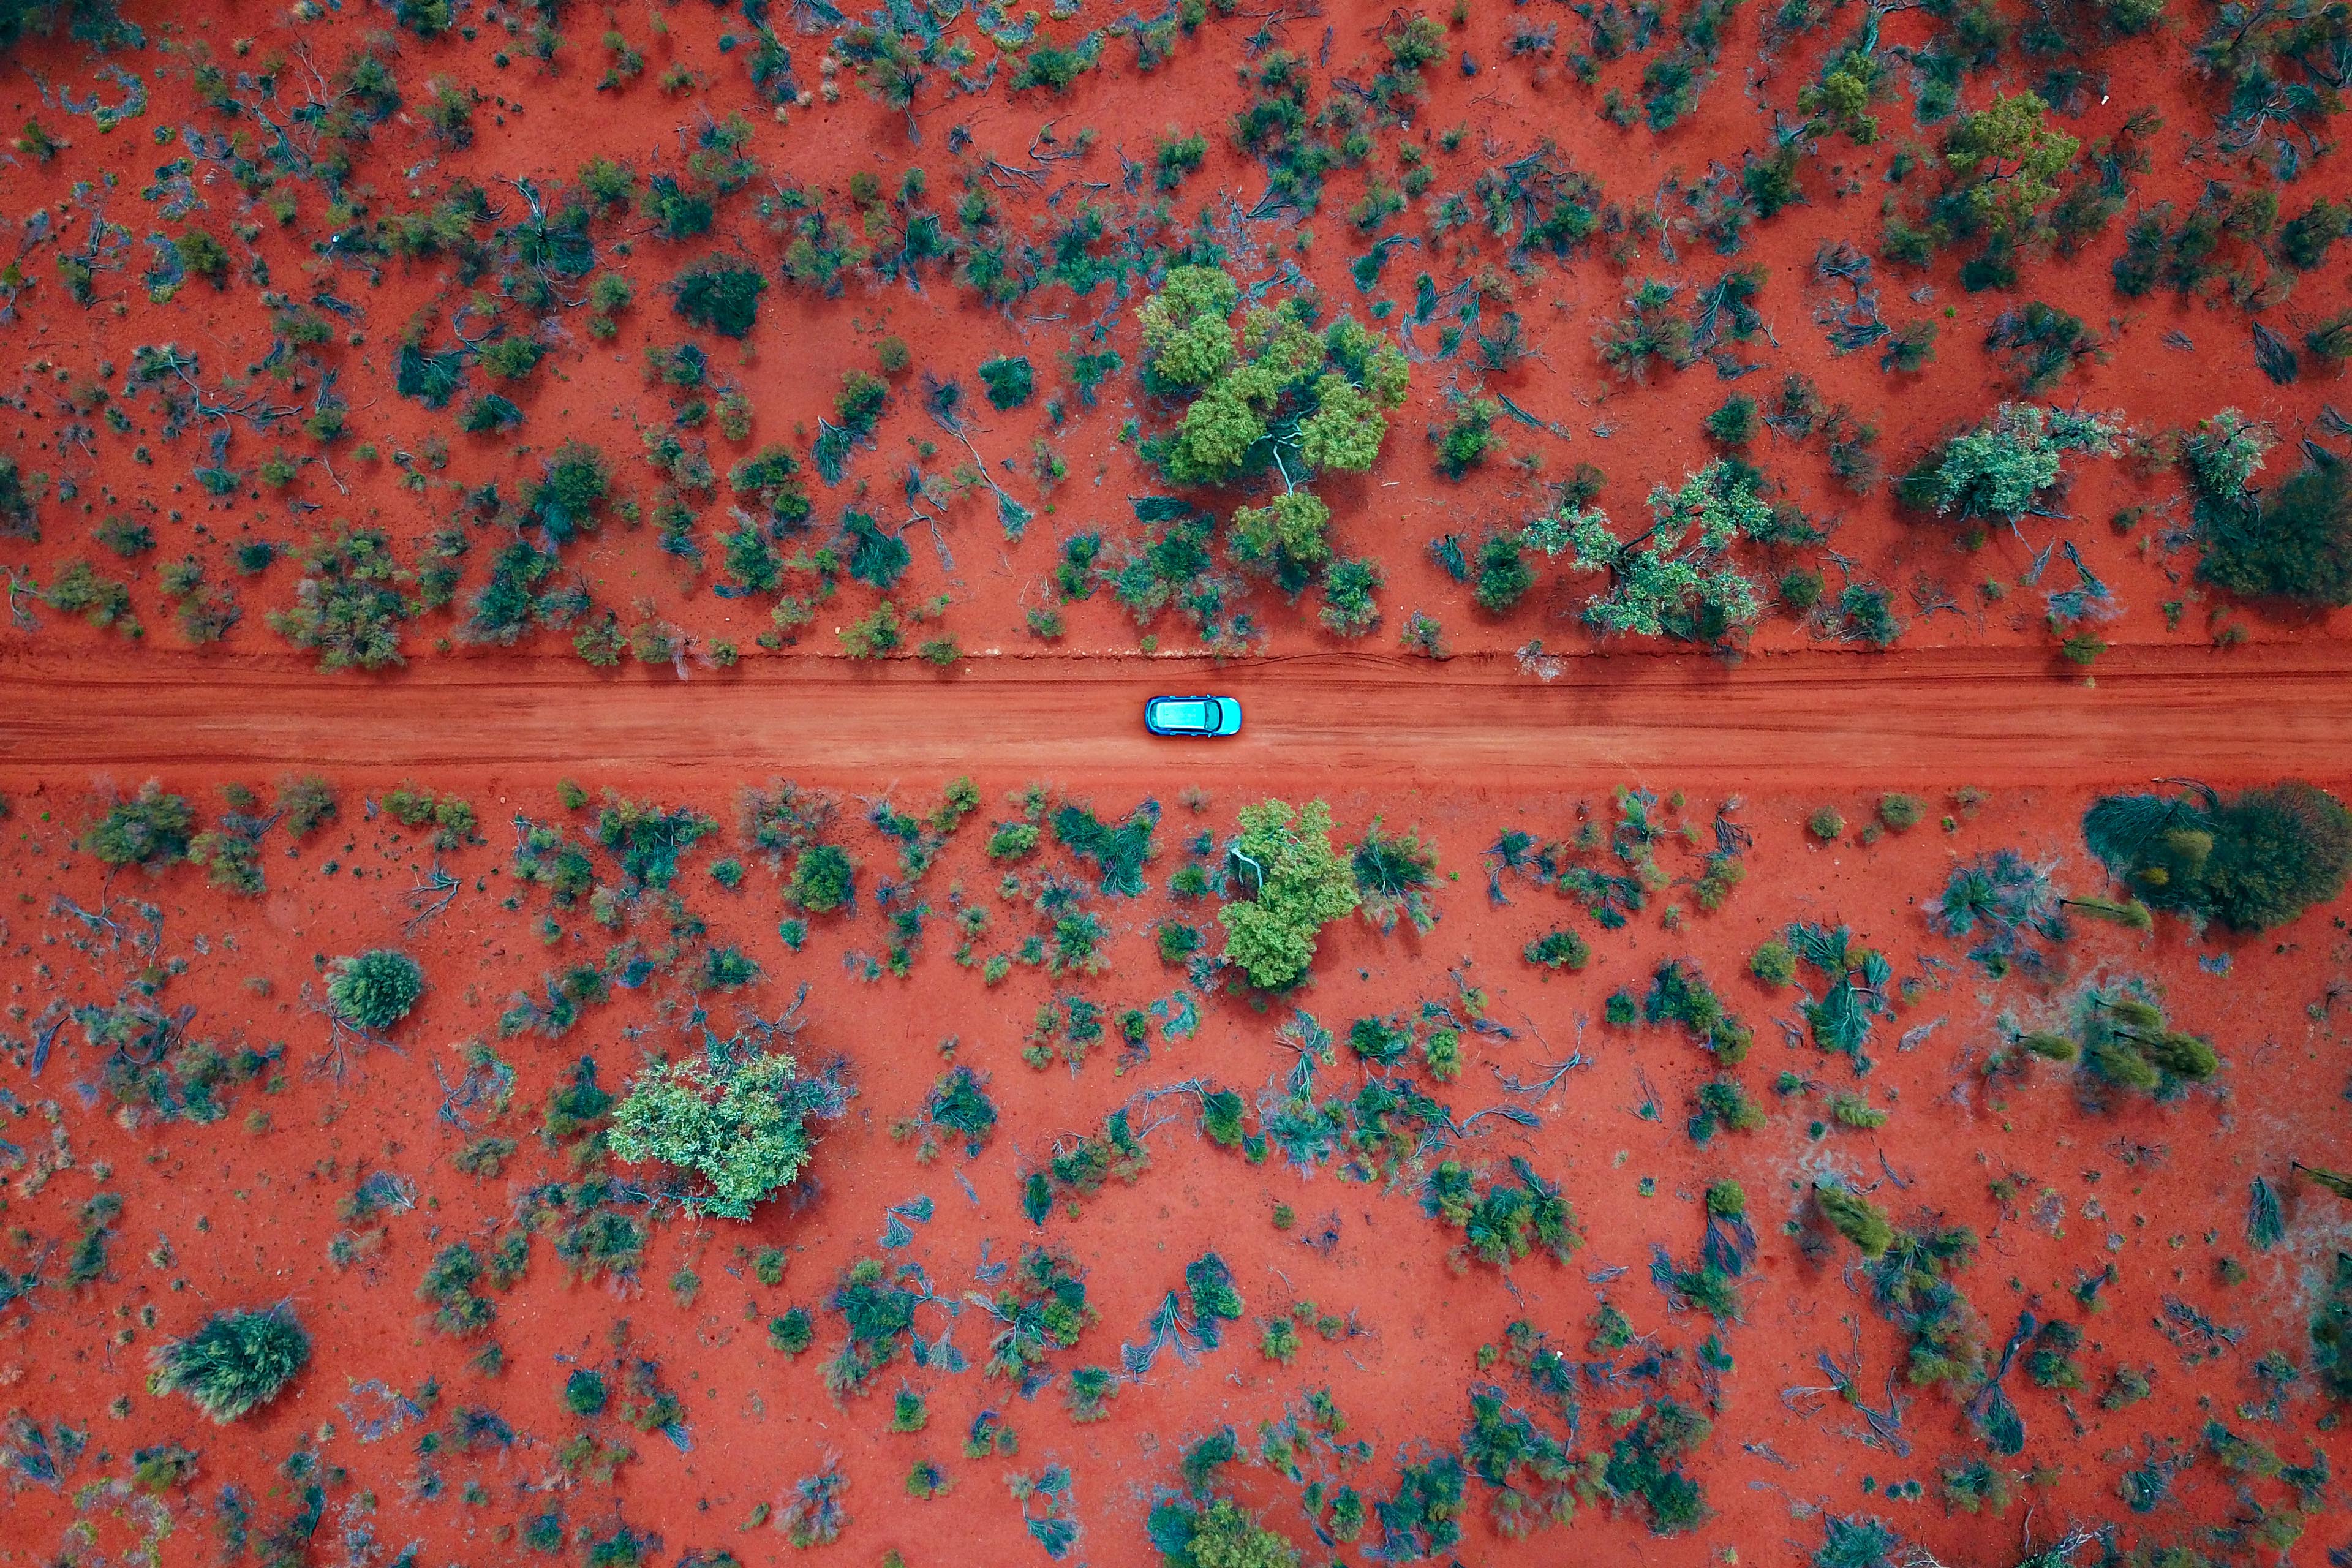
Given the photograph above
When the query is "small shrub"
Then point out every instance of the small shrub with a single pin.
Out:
(720, 296)
(236, 1362)
(1900, 813)
(1009, 380)
(375, 990)
(1559, 948)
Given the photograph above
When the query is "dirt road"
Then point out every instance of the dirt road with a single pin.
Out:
(1930, 717)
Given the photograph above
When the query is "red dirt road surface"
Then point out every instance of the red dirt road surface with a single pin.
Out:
(1995, 715)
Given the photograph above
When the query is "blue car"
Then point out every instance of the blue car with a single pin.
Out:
(1203, 716)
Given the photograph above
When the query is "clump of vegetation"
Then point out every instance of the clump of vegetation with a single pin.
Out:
(720, 295)
(1676, 578)
(1274, 395)
(1855, 1217)
(2004, 465)
(236, 1362)
(2255, 860)
(736, 1119)
(1392, 875)
(374, 990)
(1294, 884)
(1219, 1533)
(1501, 1221)
(1680, 994)
(152, 829)
(1644, 1469)
(2126, 1042)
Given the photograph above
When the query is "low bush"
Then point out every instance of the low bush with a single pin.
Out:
(236, 1363)
(375, 990)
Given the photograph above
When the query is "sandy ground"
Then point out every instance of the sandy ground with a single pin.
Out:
(1917, 716)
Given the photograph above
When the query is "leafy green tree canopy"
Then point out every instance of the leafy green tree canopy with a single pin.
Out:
(152, 829)
(2294, 542)
(2001, 467)
(734, 1120)
(1284, 538)
(1222, 1535)
(1675, 578)
(1301, 886)
(2224, 453)
(1275, 393)
(2009, 161)
(722, 296)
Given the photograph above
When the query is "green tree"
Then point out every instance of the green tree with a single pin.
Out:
(569, 497)
(719, 295)
(349, 606)
(1675, 579)
(1284, 538)
(1226, 1535)
(2008, 162)
(735, 1122)
(1188, 338)
(236, 1362)
(2003, 465)
(1009, 380)
(375, 990)
(1300, 885)
(2294, 543)
(2224, 453)
(1274, 394)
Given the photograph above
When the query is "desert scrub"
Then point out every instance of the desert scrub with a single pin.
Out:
(1044, 1309)
(236, 1362)
(958, 1103)
(585, 1393)
(374, 990)
(152, 829)
(1559, 949)
(2127, 1044)
(1502, 1222)
(1723, 1102)
(1091, 1388)
(877, 1308)
(1679, 992)
(1855, 1217)
(1643, 1467)
(735, 1120)
(824, 879)
(792, 1333)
